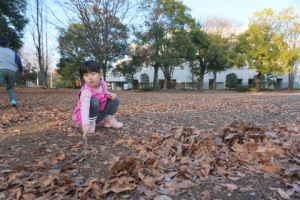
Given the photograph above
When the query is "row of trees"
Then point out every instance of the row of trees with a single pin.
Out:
(166, 37)
(170, 37)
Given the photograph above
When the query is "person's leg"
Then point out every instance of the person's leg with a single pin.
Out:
(2, 76)
(110, 108)
(10, 82)
(94, 110)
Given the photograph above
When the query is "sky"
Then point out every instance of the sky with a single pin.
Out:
(239, 10)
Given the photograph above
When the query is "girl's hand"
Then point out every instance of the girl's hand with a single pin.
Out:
(112, 96)
(86, 130)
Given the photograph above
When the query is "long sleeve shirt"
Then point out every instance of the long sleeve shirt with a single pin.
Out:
(85, 99)
(9, 59)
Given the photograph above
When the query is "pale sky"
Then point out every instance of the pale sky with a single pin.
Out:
(240, 10)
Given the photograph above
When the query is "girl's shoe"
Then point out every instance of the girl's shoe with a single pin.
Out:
(93, 126)
(112, 122)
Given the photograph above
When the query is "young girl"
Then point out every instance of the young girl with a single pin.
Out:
(95, 103)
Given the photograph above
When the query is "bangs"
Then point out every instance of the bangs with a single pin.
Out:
(88, 67)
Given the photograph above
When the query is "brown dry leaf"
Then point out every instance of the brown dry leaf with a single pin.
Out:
(29, 196)
(229, 186)
(121, 141)
(48, 181)
(178, 132)
(97, 191)
(117, 187)
(86, 190)
(270, 169)
(283, 194)
(155, 164)
(162, 197)
(19, 193)
(229, 136)
(61, 156)
(53, 160)
(141, 175)
(239, 147)
(150, 193)
(206, 195)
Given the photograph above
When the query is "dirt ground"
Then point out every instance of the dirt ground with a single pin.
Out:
(43, 125)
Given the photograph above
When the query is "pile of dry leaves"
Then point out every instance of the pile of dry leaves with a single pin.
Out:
(165, 165)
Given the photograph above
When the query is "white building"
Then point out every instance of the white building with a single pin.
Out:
(182, 75)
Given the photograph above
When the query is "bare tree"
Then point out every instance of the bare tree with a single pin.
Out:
(104, 22)
(38, 31)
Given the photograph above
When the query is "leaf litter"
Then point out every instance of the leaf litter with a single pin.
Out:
(167, 163)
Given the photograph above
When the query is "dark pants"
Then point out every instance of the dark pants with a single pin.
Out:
(9, 76)
(110, 108)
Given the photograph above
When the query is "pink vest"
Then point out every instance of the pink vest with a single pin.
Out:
(102, 97)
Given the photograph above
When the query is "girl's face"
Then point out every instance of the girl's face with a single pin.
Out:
(92, 79)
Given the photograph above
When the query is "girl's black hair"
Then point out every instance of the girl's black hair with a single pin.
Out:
(89, 66)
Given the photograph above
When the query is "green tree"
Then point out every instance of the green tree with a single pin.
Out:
(176, 50)
(73, 52)
(157, 43)
(231, 81)
(74, 49)
(285, 32)
(264, 52)
(220, 56)
(144, 78)
(200, 67)
(129, 67)
(265, 46)
(13, 21)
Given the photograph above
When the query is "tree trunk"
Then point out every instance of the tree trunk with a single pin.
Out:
(291, 82)
(168, 82)
(201, 82)
(155, 81)
(215, 79)
(257, 89)
(292, 76)
(132, 82)
(104, 70)
(268, 80)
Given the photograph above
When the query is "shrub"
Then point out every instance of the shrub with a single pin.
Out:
(242, 88)
(252, 90)
(231, 81)
(146, 88)
(144, 78)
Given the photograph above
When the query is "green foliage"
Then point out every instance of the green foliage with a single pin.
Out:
(144, 78)
(13, 21)
(165, 42)
(72, 54)
(231, 81)
(252, 90)
(146, 88)
(74, 41)
(242, 88)
(265, 43)
(220, 56)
